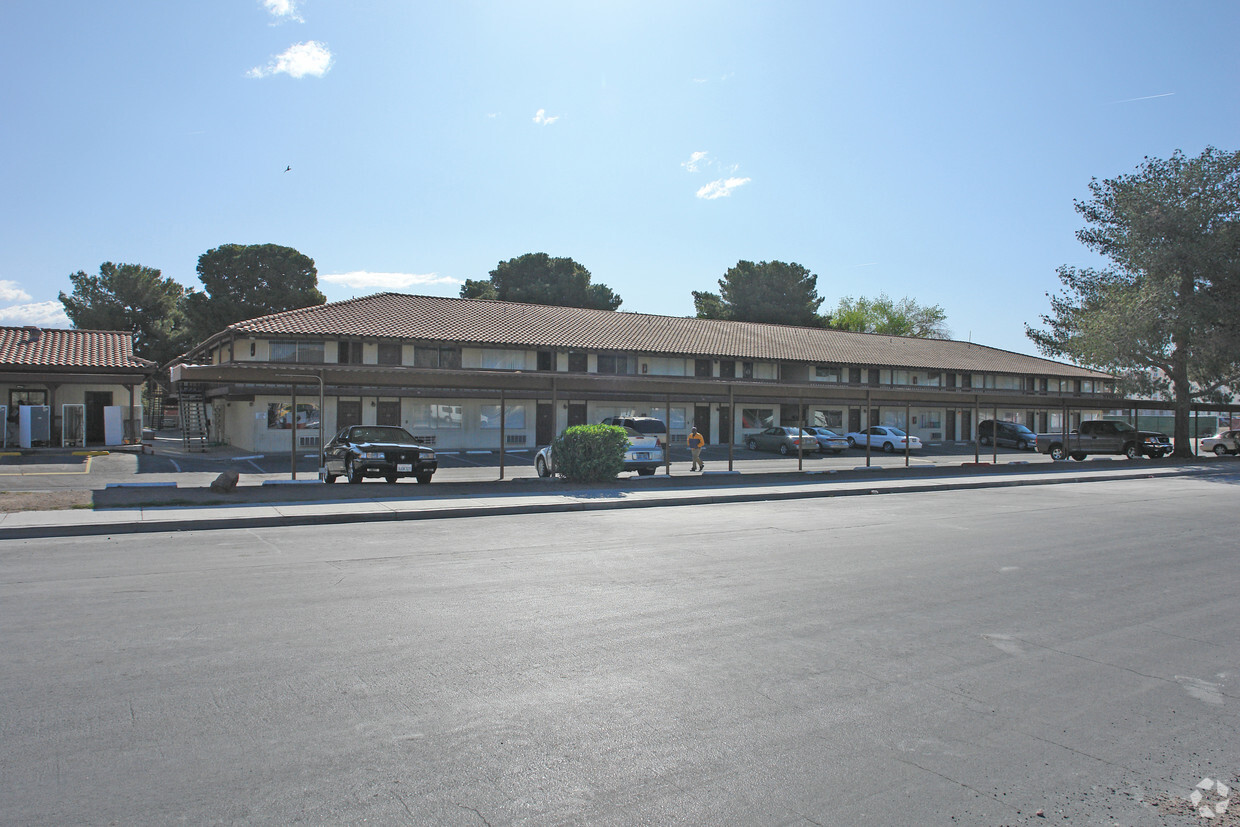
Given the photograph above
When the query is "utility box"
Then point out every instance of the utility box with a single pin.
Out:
(73, 426)
(34, 425)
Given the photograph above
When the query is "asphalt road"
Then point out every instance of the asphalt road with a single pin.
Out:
(968, 657)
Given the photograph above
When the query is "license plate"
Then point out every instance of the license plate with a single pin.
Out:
(642, 455)
(404, 468)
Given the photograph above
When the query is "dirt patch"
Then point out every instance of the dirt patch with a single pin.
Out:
(12, 501)
(1208, 805)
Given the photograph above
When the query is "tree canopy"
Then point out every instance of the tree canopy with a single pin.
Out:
(242, 281)
(1163, 316)
(134, 298)
(896, 318)
(774, 292)
(537, 278)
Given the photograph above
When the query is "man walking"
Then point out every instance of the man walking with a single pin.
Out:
(696, 441)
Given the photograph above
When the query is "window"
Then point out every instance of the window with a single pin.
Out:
(308, 352)
(578, 362)
(496, 359)
(827, 419)
(429, 356)
(546, 360)
(442, 417)
(349, 353)
(279, 418)
(757, 417)
(514, 417)
(827, 373)
(746, 370)
(701, 368)
(389, 353)
(727, 369)
(613, 363)
(25, 397)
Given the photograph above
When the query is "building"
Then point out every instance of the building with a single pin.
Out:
(77, 386)
(467, 374)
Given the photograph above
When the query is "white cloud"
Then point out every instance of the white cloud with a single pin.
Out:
(694, 161)
(541, 118)
(721, 188)
(362, 279)
(44, 314)
(11, 291)
(298, 60)
(283, 10)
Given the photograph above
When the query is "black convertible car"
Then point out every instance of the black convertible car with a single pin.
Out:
(361, 451)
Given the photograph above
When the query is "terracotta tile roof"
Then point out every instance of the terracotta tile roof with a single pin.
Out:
(509, 324)
(91, 350)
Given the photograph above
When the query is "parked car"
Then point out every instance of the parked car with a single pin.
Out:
(1104, 436)
(361, 451)
(648, 425)
(882, 436)
(783, 439)
(1223, 443)
(644, 455)
(829, 440)
(1011, 434)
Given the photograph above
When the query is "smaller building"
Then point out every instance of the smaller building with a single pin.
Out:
(78, 387)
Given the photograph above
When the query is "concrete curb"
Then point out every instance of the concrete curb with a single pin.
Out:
(509, 505)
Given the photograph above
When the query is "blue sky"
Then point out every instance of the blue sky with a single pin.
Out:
(928, 149)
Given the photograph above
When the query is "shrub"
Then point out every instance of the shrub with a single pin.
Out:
(590, 453)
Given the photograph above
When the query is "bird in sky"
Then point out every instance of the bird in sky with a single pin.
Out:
(288, 168)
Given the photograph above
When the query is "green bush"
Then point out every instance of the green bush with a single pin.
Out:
(590, 453)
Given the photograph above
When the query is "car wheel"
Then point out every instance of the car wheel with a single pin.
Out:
(1132, 451)
(390, 480)
(889, 448)
(423, 479)
(985, 440)
(852, 443)
(783, 449)
(329, 478)
(752, 445)
(1220, 450)
(1078, 456)
(540, 466)
(353, 472)
(645, 472)
(1058, 454)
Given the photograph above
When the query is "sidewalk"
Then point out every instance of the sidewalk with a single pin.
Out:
(128, 511)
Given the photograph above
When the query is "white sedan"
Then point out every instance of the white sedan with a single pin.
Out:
(1223, 443)
(880, 436)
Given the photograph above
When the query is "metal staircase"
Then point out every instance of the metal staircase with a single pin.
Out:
(193, 412)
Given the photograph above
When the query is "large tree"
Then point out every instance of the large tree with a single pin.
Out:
(774, 292)
(1163, 316)
(242, 281)
(130, 297)
(896, 318)
(537, 278)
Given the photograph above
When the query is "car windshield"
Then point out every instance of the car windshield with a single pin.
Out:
(1021, 429)
(381, 433)
(896, 432)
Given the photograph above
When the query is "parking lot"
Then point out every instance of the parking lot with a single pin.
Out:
(53, 470)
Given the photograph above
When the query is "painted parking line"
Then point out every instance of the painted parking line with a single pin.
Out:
(85, 470)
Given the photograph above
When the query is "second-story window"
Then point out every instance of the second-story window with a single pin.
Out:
(701, 368)
(746, 370)
(308, 352)
(350, 353)
(578, 362)
(389, 353)
(614, 363)
(436, 357)
(827, 373)
(727, 369)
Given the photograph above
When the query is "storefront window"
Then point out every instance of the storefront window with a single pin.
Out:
(757, 417)
(280, 418)
(514, 416)
(439, 417)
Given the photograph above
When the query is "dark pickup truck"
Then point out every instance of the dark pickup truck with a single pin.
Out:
(1104, 436)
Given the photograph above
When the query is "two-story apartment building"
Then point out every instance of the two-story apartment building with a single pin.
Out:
(465, 374)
